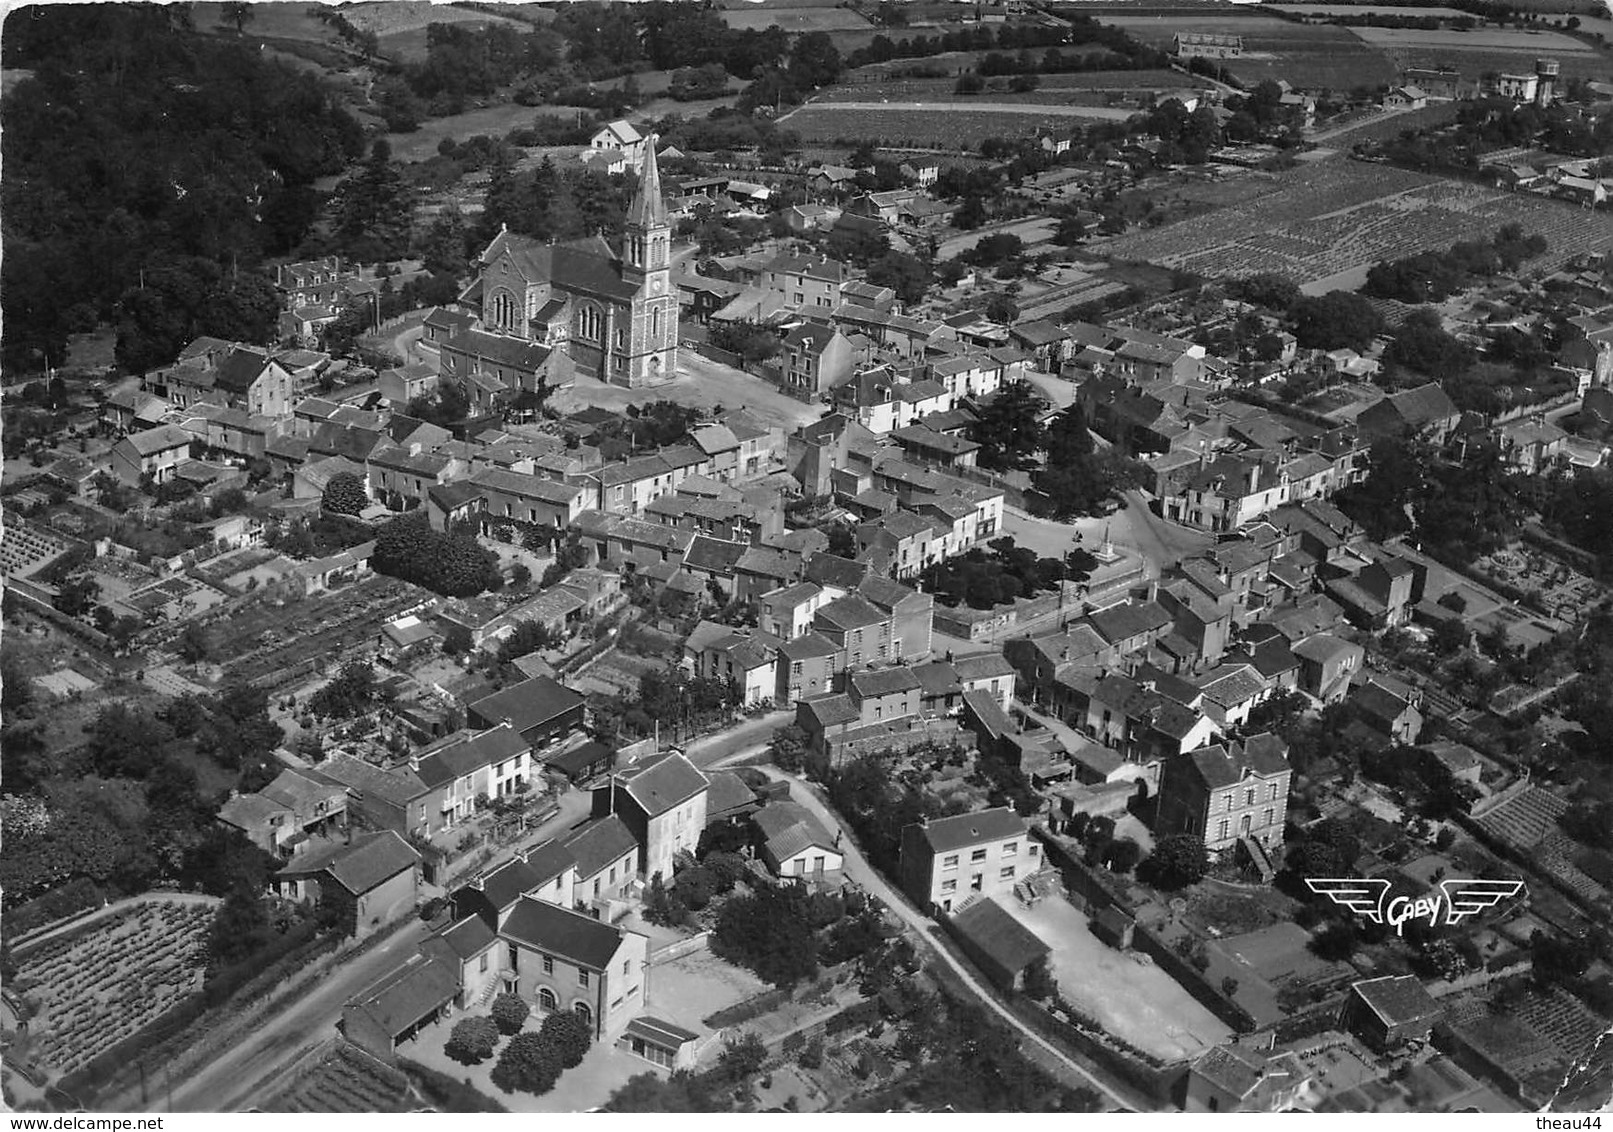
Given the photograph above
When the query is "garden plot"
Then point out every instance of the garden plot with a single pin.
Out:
(344, 1079)
(1325, 224)
(102, 985)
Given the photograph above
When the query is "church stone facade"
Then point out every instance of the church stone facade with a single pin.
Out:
(614, 315)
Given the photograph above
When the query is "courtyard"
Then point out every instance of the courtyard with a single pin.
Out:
(1123, 990)
(701, 383)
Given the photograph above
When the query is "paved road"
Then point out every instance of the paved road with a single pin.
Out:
(859, 870)
(749, 738)
(230, 1083)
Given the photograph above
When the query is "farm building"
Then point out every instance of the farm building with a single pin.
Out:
(1206, 45)
(395, 1009)
(1390, 1011)
(999, 944)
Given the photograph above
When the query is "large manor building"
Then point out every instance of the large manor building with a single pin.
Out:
(614, 317)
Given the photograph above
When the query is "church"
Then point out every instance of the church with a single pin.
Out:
(591, 310)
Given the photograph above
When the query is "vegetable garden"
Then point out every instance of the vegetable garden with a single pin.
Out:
(103, 984)
(1336, 217)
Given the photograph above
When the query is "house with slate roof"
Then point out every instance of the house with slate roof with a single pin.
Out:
(662, 800)
(156, 452)
(795, 845)
(1227, 793)
(471, 948)
(540, 709)
(559, 959)
(371, 880)
(946, 861)
(1425, 412)
(606, 853)
(806, 668)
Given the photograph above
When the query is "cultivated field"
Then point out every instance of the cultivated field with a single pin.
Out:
(1526, 41)
(1366, 10)
(1309, 55)
(1055, 90)
(344, 1079)
(1330, 221)
(942, 126)
(796, 19)
(105, 983)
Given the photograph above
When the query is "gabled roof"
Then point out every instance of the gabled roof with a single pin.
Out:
(883, 682)
(806, 647)
(553, 930)
(1227, 764)
(1122, 622)
(982, 666)
(789, 828)
(942, 835)
(600, 844)
(715, 555)
(360, 866)
(529, 703)
(159, 439)
(408, 993)
(667, 782)
(468, 938)
(850, 612)
(1397, 1000)
(995, 932)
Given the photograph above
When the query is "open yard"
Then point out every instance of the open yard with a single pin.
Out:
(1321, 224)
(100, 985)
(1123, 990)
(588, 1085)
(702, 383)
(688, 990)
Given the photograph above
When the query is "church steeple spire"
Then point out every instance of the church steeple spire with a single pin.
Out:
(648, 209)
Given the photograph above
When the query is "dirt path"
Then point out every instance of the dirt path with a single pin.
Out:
(859, 870)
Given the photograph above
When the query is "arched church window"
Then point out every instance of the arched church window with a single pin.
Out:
(655, 325)
(590, 324)
(504, 309)
(658, 252)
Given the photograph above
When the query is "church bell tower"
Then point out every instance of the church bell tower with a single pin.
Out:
(646, 263)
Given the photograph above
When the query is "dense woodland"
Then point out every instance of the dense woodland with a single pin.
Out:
(148, 170)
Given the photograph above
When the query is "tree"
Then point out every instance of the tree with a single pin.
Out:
(1009, 430)
(1039, 983)
(194, 644)
(1178, 860)
(1123, 855)
(1001, 308)
(453, 564)
(662, 906)
(345, 494)
(509, 1013)
(788, 748)
(771, 932)
(77, 595)
(529, 1064)
(1335, 320)
(473, 1040)
(373, 209)
(569, 1036)
(239, 14)
(457, 641)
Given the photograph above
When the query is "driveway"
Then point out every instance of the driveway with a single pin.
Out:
(751, 737)
(858, 869)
